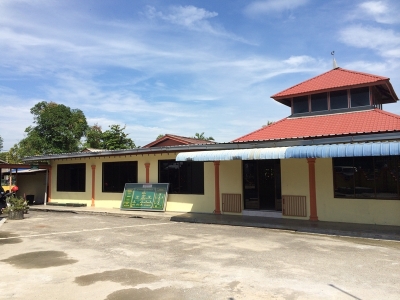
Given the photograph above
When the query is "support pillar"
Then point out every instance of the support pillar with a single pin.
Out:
(216, 188)
(93, 183)
(50, 174)
(147, 165)
(312, 186)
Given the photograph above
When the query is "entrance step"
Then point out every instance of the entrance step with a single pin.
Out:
(262, 213)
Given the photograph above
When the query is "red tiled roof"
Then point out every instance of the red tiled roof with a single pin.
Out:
(170, 140)
(360, 122)
(333, 79)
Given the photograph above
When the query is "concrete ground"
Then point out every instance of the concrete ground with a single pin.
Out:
(64, 255)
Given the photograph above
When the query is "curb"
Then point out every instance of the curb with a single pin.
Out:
(103, 213)
(296, 229)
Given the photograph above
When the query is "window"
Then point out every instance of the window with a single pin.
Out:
(71, 177)
(366, 177)
(359, 97)
(319, 102)
(183, 177)
(116, 174)
(339, 99)
(300, 104)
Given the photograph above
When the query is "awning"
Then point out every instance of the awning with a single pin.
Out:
(344, 150)
(240, 154)
(317, 151)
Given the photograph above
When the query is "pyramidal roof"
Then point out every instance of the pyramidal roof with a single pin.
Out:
(359, 122)
(337, 78)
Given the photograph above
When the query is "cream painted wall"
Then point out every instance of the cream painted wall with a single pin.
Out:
(230, 179)
(183, 203)
(294, 176)
(33, 183)
(366, 211)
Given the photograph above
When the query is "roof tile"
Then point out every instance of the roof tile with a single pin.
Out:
(336, 78)
(360, 122)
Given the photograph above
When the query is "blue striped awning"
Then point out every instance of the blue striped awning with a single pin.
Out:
(240, 154)
(316, 151)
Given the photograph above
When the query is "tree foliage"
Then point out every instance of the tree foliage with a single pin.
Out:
(200, 136)
(58, 128)
(115, 139)
(268, 123)
(1, 143)
(112, 139)
(160, 136)
(94, 137)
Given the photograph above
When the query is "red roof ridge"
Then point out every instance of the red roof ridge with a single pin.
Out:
(333, 70)
(270, 125)
(387, 113)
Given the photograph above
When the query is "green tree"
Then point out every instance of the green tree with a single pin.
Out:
(200, 136)
(94, 137)
(3, 156)
(115, 139)
(160, 136)
(1, 143)
(57, 129)
(268, 123)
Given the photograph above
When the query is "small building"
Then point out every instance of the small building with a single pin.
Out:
(334, 158)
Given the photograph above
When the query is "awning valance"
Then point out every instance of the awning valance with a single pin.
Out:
(317, 151)
(240, 154)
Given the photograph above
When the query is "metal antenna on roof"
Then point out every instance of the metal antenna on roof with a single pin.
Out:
(334, 60)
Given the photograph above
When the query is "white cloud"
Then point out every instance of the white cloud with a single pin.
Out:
(189, 16)
(381, 11)
(193, 18)
(384, 41)
(270, 6)
(299, 60)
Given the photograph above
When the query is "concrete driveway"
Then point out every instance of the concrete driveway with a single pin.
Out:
(53, 255)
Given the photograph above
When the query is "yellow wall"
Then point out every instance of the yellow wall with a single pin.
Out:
(294, 174)
(183, 203)
(230, 179)
(294, 177)
(367, 211)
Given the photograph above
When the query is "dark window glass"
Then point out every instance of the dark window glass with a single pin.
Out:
(319, 102)
(183, 177)
(339, 100)
(359, 97)
(116, 174)
(364, 180)
(71, 177)
(300, 104)
(366, 177)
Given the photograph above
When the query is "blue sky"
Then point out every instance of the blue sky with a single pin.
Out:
(182, 67)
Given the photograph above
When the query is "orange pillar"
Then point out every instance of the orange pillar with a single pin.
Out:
(147, 165)
(216, 188)
(49, 194)
(93, 183)
(313, 193)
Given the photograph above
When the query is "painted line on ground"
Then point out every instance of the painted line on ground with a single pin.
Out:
(83, 230)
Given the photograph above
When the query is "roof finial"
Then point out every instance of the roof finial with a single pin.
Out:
(334, 60)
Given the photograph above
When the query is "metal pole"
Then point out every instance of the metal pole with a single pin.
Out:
(45, 188)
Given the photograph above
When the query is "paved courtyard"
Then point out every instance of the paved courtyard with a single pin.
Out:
(53, 255)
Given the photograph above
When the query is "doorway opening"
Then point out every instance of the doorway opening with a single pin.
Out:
(262, 184)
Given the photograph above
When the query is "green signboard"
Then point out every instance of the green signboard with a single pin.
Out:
(145, 196)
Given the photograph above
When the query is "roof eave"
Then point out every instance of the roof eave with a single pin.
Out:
(288, 96)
